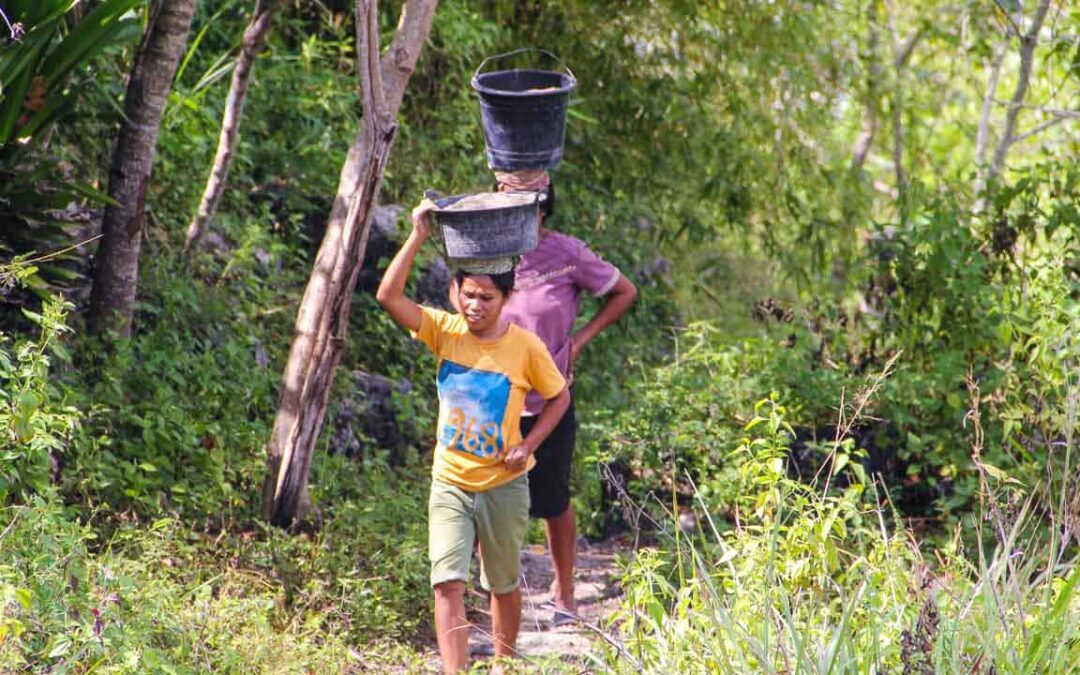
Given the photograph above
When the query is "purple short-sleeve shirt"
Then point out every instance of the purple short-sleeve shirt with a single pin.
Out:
(547, 294)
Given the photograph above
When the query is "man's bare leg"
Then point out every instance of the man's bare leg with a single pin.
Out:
(451, 628)
(562, 542)
(505, 621)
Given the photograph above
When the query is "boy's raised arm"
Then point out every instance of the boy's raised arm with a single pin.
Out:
(391, 293)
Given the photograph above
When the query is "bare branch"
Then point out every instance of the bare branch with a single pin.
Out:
(1027, 51)
(870, 118)
(253, 42)
(1056, 112)
(367, 42)
(1008, 17)
(982, 138)
(906, 48)
(398, 63)
(897, 106)
(323, 316)
(1038, 129)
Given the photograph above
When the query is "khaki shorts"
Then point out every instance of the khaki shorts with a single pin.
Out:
(498, 517)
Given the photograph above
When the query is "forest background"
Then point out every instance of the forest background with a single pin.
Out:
(835, 433)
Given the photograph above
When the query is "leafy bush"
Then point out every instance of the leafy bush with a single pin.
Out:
(813, 583)
(42, 77)
(162, 598)
(178, 416)
(35, 424)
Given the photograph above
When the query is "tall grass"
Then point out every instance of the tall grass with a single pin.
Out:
(809, 580)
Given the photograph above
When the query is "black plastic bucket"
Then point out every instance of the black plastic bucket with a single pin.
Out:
(523, 113)
(492, 232)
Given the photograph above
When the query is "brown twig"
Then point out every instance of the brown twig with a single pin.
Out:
(53, 254)
(977, 445)
(844, 426)
(11, 525)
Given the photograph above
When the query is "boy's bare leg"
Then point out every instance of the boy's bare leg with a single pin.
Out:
(505, 621)
(562, 542)
(451, 628)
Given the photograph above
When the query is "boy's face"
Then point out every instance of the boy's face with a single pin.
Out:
(481, 303)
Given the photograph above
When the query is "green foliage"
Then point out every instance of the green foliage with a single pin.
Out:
(940, 300)
(35, 71)
(372, 559)
(51, 601)
(177, 417)
(84, 589)
(300, 116)
(163, 598)
(811, 583)
(35, 423)
(42, 77)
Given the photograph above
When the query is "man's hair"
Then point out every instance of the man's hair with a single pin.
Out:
(547, 198)
(503, 281)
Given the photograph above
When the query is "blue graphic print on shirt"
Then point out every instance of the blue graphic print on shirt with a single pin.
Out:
(472, 405)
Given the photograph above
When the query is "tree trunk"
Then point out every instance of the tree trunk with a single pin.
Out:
(902, 51)
(116, 265)
(254, 40)
(323, 318)
(1028, 42)
(988, 171)
(982, 135)
(870, 117)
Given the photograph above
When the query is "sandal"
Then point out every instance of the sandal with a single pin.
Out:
(563, 617)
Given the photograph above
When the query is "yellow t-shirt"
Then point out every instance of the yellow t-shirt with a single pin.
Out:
(482, 386)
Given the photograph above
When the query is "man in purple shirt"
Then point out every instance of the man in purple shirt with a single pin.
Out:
(546, 300)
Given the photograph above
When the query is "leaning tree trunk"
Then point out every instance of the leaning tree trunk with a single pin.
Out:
(254, 40)
(116, 265)
(323, 317)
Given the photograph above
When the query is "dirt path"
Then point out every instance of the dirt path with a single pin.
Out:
(542, 646)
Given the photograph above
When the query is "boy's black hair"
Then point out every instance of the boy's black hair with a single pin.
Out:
(547, 198)
(504, 281)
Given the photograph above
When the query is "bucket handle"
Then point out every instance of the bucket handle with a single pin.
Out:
(522, 50)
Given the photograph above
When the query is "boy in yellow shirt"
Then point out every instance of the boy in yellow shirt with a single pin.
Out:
(479, 485)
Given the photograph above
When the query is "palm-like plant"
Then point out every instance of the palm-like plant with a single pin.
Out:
(46, 48)
(44, 51)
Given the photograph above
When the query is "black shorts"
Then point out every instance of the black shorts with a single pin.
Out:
(549, 480)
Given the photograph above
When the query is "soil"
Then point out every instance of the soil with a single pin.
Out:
(490, 200)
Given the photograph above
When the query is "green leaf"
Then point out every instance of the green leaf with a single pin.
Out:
(23, 597)
(860, 473)
(753, 423)
(997, 474)
(96, 30)
(92, 193)
(11, 105)
(29, 402)
(61, 645)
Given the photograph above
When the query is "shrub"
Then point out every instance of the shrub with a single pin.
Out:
(812, 583)
(35, 423)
